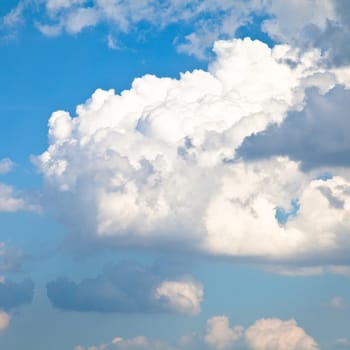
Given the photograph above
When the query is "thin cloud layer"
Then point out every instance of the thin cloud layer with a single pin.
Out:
(156, 164)
(127, 288)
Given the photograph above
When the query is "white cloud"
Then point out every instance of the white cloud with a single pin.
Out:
(220, 335)
(275, 334)
(10, 201)
(5, 319)
(264, 334)
(153, 165)
(6, 165)
(181, 296)
(321, 23)
(10, 198)
(294, 21)
(15, 17)
(136, 343)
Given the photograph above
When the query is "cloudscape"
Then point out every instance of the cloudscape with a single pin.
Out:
(175, 175)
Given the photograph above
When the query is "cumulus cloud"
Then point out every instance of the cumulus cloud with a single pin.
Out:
(127, 288)
(156, 164)
(220, 335)
(275, 334)
(14, 294)
(181, 296)
(4, 320)
(11, 199)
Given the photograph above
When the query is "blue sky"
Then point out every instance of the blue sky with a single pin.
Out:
(162, 175)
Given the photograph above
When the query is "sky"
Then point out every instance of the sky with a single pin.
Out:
(174, 175)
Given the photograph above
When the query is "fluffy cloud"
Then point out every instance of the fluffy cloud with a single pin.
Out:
(181, 296)
(264, 334)
(275, 334)
(10, 199)
(127, 288)
(156, 165)
(220, 335)
(4, 320)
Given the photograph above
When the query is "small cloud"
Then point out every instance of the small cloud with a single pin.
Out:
(220, 335)
(112, 43)
(49, 30)
(342, 343)
(15, 17)
(181, 296)
(11, 201)
(5, 319)
(337, 303)
(6, 165)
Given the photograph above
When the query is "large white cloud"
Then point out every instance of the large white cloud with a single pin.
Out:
(275, 334)
(155, 164)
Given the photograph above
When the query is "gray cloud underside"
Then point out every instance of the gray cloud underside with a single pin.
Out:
(123, 288)
(318, 136)
(14, 294)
